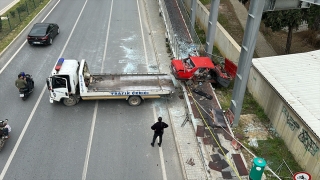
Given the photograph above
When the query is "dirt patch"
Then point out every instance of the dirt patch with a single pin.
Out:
(252, 130)
(229, 20)
(278, 41)
(252, 127)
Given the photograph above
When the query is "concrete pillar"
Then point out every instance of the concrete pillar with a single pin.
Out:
(245, 60)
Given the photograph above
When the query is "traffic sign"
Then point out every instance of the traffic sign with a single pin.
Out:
(301, 176)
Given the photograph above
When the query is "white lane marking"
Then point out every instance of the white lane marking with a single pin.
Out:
(86, 162)
(163, 167)
(143, 41)
(107, 37)
(3, 173)
(94, 117)
(14, 55)
(5, 168)
(2, 11)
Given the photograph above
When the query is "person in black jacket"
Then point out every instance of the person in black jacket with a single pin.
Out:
(158, 131)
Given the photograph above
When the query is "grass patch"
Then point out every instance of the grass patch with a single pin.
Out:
(223, 20)
(6, 34)
(205, 2)
(274, 151)
(201, 34)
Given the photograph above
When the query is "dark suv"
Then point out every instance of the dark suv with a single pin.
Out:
(43, 33)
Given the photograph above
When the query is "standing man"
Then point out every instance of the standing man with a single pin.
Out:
(158, 131)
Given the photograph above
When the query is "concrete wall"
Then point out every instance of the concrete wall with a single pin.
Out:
(283, 120)
(227, 46)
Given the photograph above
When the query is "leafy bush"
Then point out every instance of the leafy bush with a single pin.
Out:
(13, 13)
(21, 8)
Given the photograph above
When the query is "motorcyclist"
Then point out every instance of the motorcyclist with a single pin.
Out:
(21, 82)
(5, 128)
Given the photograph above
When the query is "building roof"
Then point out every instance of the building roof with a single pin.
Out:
(296, 77)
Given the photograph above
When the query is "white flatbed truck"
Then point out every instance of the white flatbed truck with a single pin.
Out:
(71, 81)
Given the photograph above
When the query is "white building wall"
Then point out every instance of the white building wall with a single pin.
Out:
(282, 119)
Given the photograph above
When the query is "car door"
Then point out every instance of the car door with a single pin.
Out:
(58, 88)
(48, 32)
(52, 30)
(55, 29)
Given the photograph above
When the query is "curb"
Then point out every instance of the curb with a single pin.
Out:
(183, 169)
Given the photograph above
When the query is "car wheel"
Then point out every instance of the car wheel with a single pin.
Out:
(50, 41)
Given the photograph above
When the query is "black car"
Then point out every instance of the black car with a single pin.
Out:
(43, 33)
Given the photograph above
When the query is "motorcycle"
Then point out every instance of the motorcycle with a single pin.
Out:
(24, 93)
(4, 132)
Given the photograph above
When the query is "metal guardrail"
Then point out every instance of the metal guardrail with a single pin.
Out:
(193, 34)
(183, 41)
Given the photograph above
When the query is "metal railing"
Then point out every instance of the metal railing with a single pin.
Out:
(182, 37)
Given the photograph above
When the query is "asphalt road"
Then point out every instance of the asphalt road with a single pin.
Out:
(94, 139)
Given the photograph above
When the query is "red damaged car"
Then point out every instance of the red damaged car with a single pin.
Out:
(202, 69)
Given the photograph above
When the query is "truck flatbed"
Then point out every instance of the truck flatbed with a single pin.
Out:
(71, 81)
(130, 82)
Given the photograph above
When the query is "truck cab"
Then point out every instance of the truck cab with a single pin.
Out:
(63, 80)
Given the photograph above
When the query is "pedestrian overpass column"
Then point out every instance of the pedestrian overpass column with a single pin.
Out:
(245, 60)
(212, 23)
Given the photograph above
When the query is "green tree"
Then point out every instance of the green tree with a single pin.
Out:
(292, 19)
(277, 20)
(312, 17)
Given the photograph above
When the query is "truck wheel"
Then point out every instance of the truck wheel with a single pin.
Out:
(71, 101)
(134, 100)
